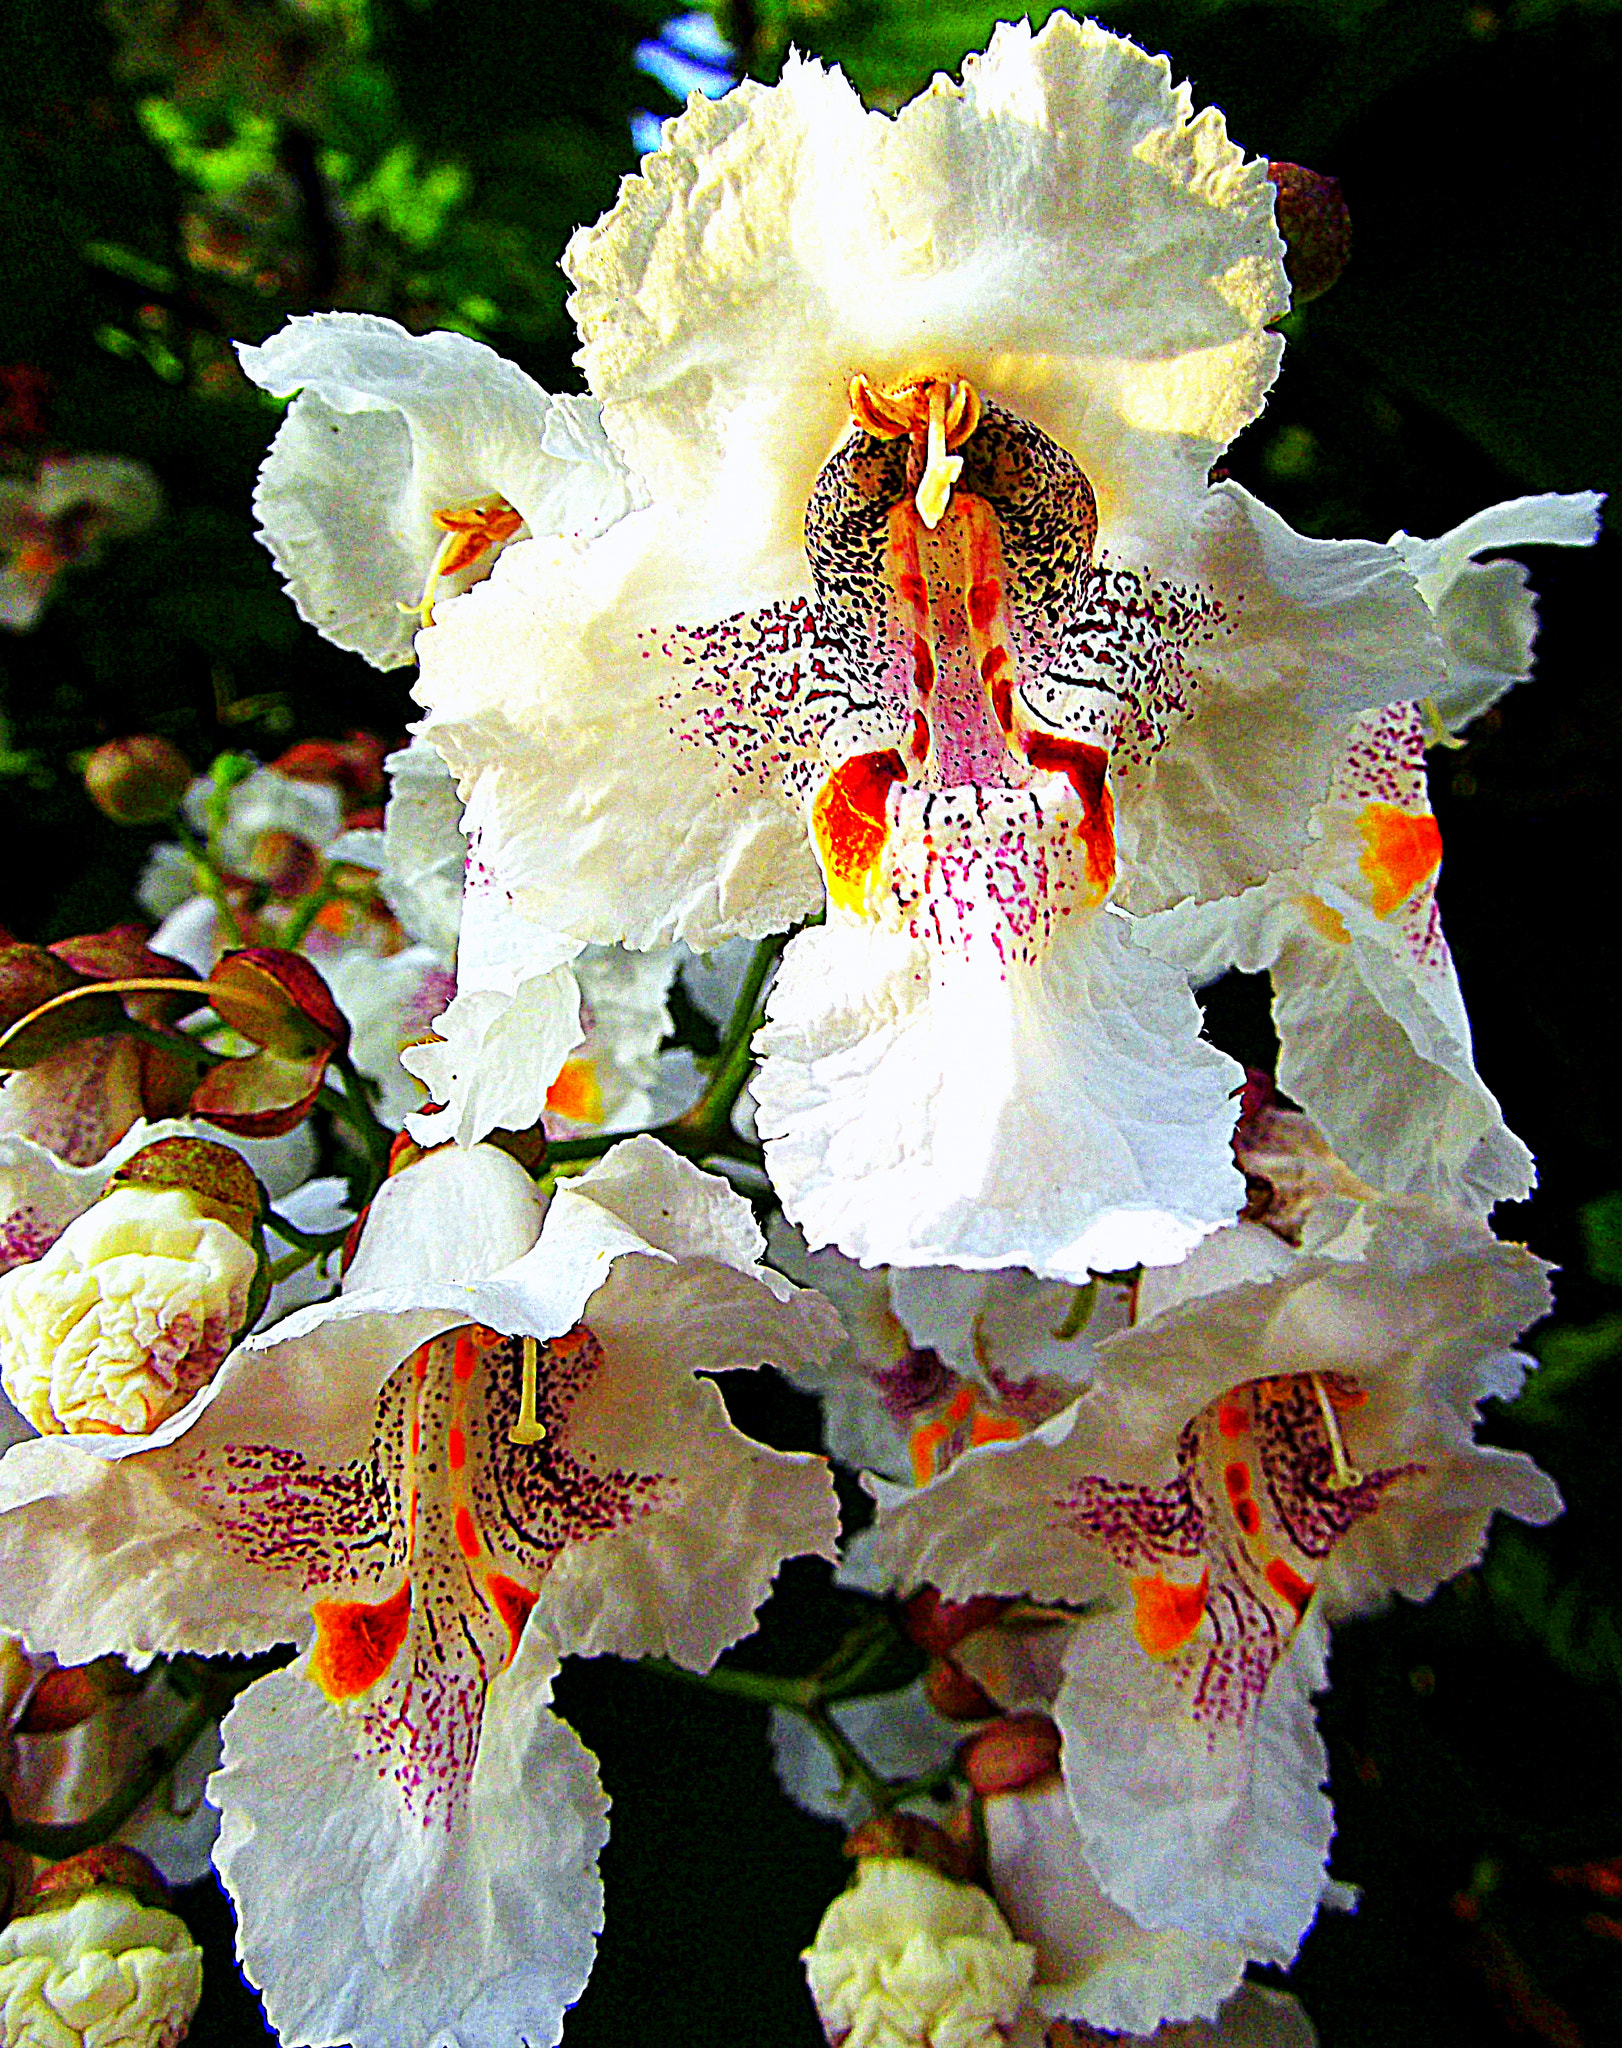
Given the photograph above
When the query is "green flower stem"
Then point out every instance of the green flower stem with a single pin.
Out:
(313, 1241)
(361, 1117)
(211, 882)
(308, 909)
(805, 1697)
(173, 1041)
(212, 1692)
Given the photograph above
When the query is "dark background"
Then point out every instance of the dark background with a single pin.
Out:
(176, 175)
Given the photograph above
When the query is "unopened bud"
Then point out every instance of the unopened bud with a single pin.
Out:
(61, 1700)
(1316, 225)
(954, 1694)
(136, 1304)
(910, 1835)
(286, 864)
(89, 1959)
(137, 781)
(938, 1625)
(908, 1955)
(1010, 1754)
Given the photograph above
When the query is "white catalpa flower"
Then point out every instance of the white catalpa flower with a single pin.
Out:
(259, 813)
(61, 519)
(907, 1958)
(1287, 1447)
(1373, 1037)
(934, 618)
(488, 1452)
(404, 462)
(937, 1359)
(391, 1002)
(103, 1969)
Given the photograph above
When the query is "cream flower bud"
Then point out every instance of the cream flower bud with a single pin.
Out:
(102, 1972)
(127, 1315)
(907, 1958)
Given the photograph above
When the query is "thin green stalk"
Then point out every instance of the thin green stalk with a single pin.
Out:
(362, 1118)
(308, 911)
(211, 883)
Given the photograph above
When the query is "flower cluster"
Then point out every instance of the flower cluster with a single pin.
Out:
(870, 667)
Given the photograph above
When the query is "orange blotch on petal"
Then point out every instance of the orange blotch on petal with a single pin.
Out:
(467, 1355)
(513, 1603)
(576, 1094)
(457, 1448)
(467, 1533)
(356, 1641)
(849, 820)
(1289, 1585)
(1232, 1420)
(1401, 849)
(1166, 1614)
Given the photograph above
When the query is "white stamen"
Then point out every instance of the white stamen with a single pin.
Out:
(941, 470)
(1345, 1473)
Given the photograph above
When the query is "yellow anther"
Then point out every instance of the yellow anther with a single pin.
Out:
(1436, 732)
(938, 414)
(1079, 1314)
(470, 531)
(1345, 1473)
(528, 1429)
(941, 470)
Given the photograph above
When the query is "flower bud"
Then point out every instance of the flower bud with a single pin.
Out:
(1013, 1752)
(908, 1955)
(938, 1625)
(1316, 225)
(954, 1695)
(136, 1304)
(137, 781)
(910, 1836)
(87, 1963)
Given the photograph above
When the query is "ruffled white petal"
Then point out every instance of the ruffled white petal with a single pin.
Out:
(390, 427)
(1226, 1843)
(1060, 228)
(1485, 611)
(1093, 1962)
(513, 1021)
(362, 1925)
(922, 1109)
(1312, 633)
(546, 690)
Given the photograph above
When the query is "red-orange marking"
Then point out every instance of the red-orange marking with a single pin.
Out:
(357, 1640)
(467, 1355)
(456, 1445)
(1085, 767)
(416, 1434)
(1232, 1420)
(419, 1362)
(919, 743)
(1236, 1477)
(1289, 1585)
(1248, 1515)
(576, 1093)
(1167, 1615)
(513, 1603)
(985, 604)
(467, 1534)
(1400, 850)
(848, 818)
(923, 665)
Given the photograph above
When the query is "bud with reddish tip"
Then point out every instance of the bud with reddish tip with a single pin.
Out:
(1014, 1752)
(137, 781)
(938, 1625)
(911, 1836)
(1316, 225)
(954, 1695)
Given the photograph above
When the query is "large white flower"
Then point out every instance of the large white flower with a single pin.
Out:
(1273, 1450)
(403, 462)
(933, 618)
(488, 1452)
(1373, 1036)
